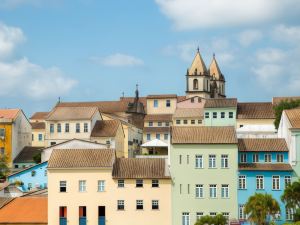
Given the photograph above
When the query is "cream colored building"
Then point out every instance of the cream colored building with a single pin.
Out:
(161, 104)
(103, 188)
(38, 129)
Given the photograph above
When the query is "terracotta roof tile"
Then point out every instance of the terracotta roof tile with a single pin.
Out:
(294, 117)
(156, 129)
(255, 110)
(39, 116)
(9, 113)
(38, 126)
(158, 117)
(188, 113)
(220, 103)
(262, 144)
(266, 166)
(26, 210)
(105, 128)
(161, 96)
(26, 155)
(277, 100)
(134, 168)
(71, 113)
(77, 158)
(203, 135)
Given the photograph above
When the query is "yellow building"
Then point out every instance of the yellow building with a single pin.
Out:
(15, 133)
(103, 188)
(38, 127)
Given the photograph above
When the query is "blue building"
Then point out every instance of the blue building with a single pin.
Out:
(263, 168)
(31, 178)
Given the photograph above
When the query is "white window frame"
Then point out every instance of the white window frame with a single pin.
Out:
(199, 191)
(82, 186)
(199, 215)
(212, 161)
(287, 180)
(85, 128)
(242, 182)
(255, 158)
(121, 183)
(212, 191)
(279, 158)
(139, 203)
(224, 161)
(225, 191)
(242, 215)
(155, 203)
(120, 203)
(260, 182)
(268, 158)
(199, 161)
(101, 185)
(276, 182)
(185, 218)
(243, 158)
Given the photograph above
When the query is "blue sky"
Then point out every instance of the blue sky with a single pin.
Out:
(86, 50)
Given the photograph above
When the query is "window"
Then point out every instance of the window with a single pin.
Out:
(215, 115)
(259, 182)
(155, 183)
(139, 204)
(82, 211)
(148, 137)
(85, 128)
(101, 185)
(155, 103)
(279, 158)
(62, 186)
(188, 188)
(2, 150)
(192, 121)
(166, 136)
(77, 127)
(58, 128)
(199, 161)
(207, 115)
(187, 159)
(180, 159)
(63, 212)
(212, 161)
(242, 182)
(255, 158)
(185, 122)
(67, 128)
(199, 121)
(289, 214)
(275, 182)
(51, 128)
(29, 186)
(155, 204)
(159, 124)
(225, 191)
(177, 121)
(168, 103)
(212, 190)
(2, 132)
(199, 215)
(82, 186)
(287, 180)
(230, 115)
(180, 188)
(195, 84)
(243, 158)
(158, 136)
(224, 161)
(212, 213)
(121, 183)
(199, 190)
(226, 215)
(242, 215)
(40, 137)
(150, 124)
(222, 115)
(267, 158)
(167, 124)
(185, 218)
(192, 100)
(32, 137)
(121, 205)
(139, 183)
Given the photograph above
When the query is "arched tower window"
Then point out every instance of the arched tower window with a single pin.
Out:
(195, 84)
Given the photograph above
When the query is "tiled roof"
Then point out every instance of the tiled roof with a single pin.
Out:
(133, 168)
(277, 100)
(188, 113)
(38, 126)
(156, 129)
(9, 113)
(294, 117)
(266, 166)
(105, 128)
(161, 96)
(262, 144)
(77, 158)
(39, 116)
(4, 201)
(220, 103)
(26, 210)
(26, 155)
(71, 113)
(255, 110)
(203, 135)
(158, 117)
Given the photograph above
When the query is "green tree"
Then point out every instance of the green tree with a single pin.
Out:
(286, 104)
(212, 220)
(37, 158)
(3, 166)
(260, 206)
(291, 198)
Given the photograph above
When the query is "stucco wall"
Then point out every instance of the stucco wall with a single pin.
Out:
(220, 121)
(161, 109)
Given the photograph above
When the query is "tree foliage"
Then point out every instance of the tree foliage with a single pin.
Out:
(37, 158)
(286, 104)
(3, 166)
(291, 198)
(212, 220)
(260, 206)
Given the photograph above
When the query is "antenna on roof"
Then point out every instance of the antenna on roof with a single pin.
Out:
(123, 94)
(58, 99)
(198, 49)
(214, 55)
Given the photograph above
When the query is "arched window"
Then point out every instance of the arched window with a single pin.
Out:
(195, 84)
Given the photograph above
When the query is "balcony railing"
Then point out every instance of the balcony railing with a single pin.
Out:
(101, 220)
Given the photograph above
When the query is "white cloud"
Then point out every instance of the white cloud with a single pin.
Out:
(247, 37)
(271, 55)
(118, 60)
(10, 37)
(268, 73)
(289, 34)
(193, 14)
(9, 4)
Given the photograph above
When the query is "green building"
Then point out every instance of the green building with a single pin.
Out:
(204, 173)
